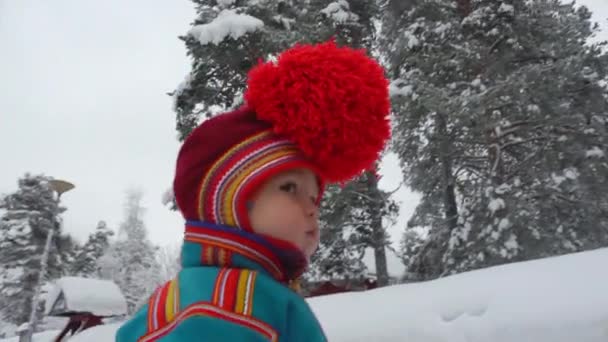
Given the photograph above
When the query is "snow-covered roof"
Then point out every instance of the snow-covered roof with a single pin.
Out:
(394, 265)
(74, 294)
(23, 327)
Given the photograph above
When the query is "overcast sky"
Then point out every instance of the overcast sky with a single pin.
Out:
(82, 97)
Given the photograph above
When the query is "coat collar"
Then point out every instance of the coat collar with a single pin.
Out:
(208, 244)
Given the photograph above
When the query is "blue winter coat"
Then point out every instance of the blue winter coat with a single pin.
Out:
(232, 288)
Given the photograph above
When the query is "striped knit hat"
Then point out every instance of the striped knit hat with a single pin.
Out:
(320, 107)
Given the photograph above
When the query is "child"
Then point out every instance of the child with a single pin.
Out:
(249, 183)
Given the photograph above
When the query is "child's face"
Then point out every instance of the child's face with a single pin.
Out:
(285, 208)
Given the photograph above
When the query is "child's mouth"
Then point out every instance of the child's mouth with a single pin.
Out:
(312, 233)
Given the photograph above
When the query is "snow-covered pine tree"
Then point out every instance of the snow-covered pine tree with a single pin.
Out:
(85, 261)
(169, 260)
(501, 126)
(348, 227)
(341, 249)
(29, 214)
(230, 36)
(412, 240)
(130, 261)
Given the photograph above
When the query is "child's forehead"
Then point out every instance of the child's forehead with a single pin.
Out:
(303, 174)
(299, 172)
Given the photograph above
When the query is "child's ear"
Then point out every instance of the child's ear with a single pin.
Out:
(249, 205)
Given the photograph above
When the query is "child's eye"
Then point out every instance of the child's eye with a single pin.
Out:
(290, 187)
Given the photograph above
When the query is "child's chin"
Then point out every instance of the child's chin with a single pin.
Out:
(307, 254)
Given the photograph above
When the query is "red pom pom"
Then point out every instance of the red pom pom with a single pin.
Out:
(333, 102)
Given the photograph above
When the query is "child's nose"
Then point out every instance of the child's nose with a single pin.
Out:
(314, 211)
(311, 208)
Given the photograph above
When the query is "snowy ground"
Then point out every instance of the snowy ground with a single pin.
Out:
(562, 299)
(47, 336)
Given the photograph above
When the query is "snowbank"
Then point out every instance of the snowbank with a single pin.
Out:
(561, 299)
(74, 294)
(102, 333)
(45, 336)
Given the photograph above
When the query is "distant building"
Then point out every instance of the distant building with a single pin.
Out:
(86, 302)
(395, 267)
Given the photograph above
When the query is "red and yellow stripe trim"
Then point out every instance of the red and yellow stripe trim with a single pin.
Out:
(234, 289)
(233, 244)
(219, 191)
(203, 309)
(163, 305)
(214, 255)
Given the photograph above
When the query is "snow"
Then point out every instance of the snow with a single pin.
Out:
(590, 74)
(181, 87)
(226, 3)
(45, 336)
(511, 243)
(100, 297)
(496, 204)
(168, 196)
(595, 152)
(476, 17)
(412, 40)
(286, 22)
(340, 12)
(504, 224)
(6, 328)
(571, 173)
(502, 189)
(533, 108)
(442, 28)
(459, 234)
(399, 88)
(506, 9)
(559, 299)
(494, 32)
(227, 24)
(102, 333)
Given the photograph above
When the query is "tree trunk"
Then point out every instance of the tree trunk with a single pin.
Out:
(449, 198)
(464, 7)
(33, 319)
(379, 238)
(398, 7)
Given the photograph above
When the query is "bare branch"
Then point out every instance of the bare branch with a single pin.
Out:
(514, 143)
(497, 159)
(364, 196)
